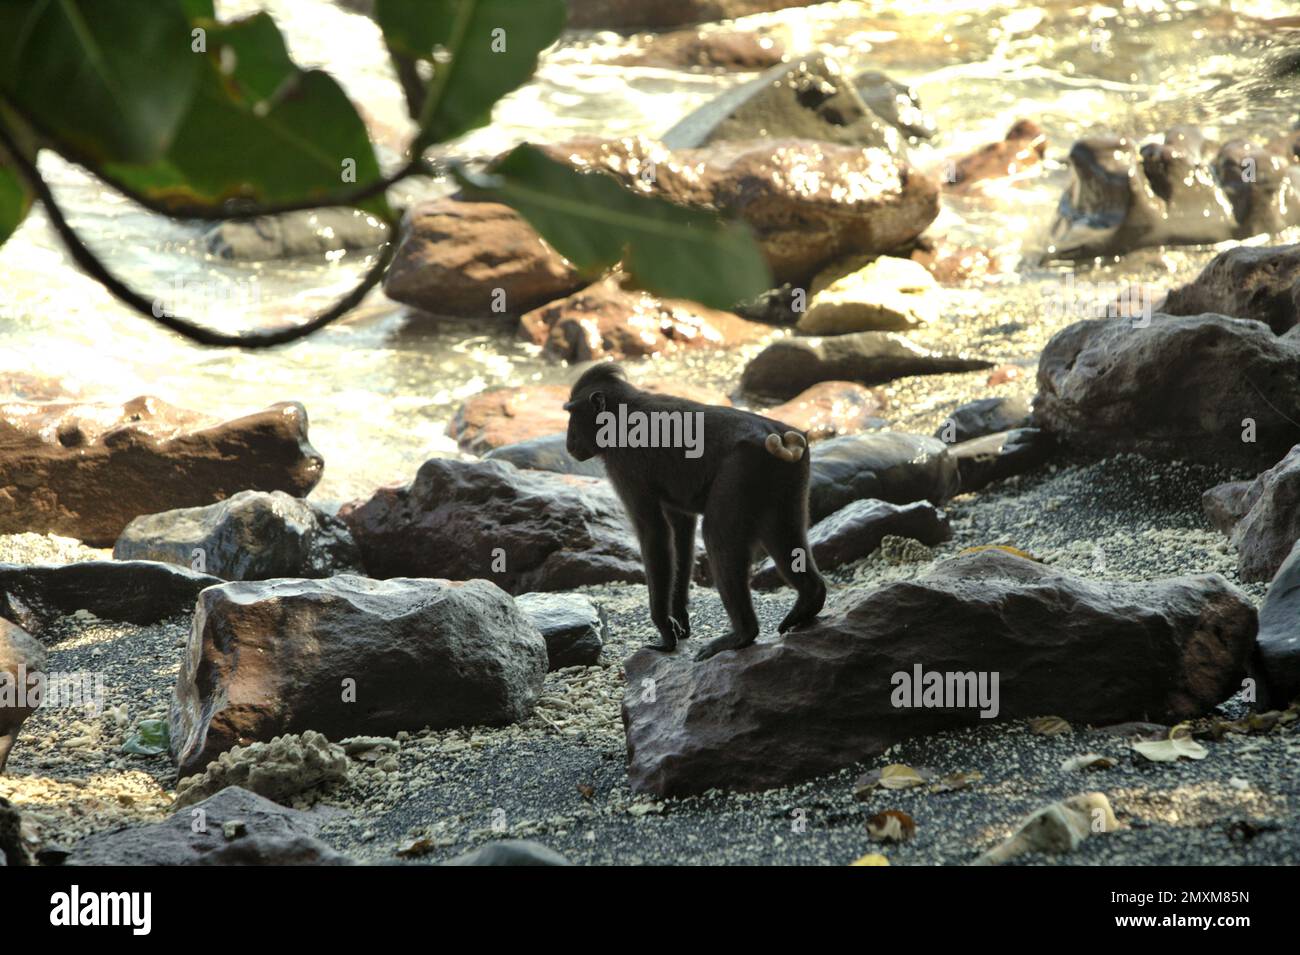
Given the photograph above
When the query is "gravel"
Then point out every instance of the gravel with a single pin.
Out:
(558, 777)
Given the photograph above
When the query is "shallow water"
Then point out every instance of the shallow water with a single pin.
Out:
(381, 386)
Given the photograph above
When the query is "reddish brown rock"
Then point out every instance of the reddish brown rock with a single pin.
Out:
(85, 470)
(610, 320)
(475, 258)
(1015, 156)
(502, 416)
(831, 408)
(808, 202)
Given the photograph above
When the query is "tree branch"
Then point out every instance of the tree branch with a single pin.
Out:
(90, 263)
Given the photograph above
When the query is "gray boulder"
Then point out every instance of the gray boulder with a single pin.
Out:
(1198, 387)
(252, 535)
(1257, 282)
(349, 656)
(890, 466)
(547, 453)
(523, 530)
(984, 416)
(132, 591)
(572, 626)
(857, 529)
(995, 457)
(1279, 634)
(1267, 531)
(790, 365)
(175, 840)
(862, 677)
(309, 232)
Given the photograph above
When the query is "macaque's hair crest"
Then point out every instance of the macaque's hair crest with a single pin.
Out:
(605, 371)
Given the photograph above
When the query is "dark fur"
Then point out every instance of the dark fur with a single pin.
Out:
(747, 496)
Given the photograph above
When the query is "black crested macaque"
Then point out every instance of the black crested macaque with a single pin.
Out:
(671, 460)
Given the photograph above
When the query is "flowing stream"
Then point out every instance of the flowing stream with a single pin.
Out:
(381, 386)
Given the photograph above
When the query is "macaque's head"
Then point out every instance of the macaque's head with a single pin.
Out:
(588, 399)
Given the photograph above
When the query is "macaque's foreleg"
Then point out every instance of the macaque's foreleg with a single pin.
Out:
(655, 535)
(683, 529)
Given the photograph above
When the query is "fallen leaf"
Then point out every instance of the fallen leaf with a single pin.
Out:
(893, 776)
(955, 781)
(586, 790)
(1057, 827)
(1089, 761)
(415, 847)
(892, 825)
(871, 859)
(1172, 749)
(1049, 726)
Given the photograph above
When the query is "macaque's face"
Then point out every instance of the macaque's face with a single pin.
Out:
(581, 439)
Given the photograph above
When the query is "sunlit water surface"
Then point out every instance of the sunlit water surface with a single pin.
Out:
(381, 386)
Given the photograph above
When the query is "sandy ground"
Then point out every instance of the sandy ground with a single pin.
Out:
(559, 777)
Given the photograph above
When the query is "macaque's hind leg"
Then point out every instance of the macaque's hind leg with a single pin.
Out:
(683, 527)
(728, 543)
(787, 544)
(655, 536)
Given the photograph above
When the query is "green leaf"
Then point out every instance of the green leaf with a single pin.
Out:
(109, 81)
(198, 9)
(478, 50)
(15, 200)
(151, 738)
(260, 130)
(594, 222)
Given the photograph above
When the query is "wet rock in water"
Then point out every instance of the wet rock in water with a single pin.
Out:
(348, 656)
(776, 306)
(510, 852)
(31, 386)
(896, 103)
(810, 99)
(883, 294)
(1270, 527)
(175, 840)
(1056, 828)
(610, 320)
(1279, 634)
(995, 457)
(547, 453)
(133, 591)
(279, 770)
(831, 408)
(615, 14)
(959, 265)
(310, 232)
(523, 530)
(826, 696)
(1225, 504)
(712, 50)
(85, 470)
(1019, 154)
(509, 416)
(791, 365)
(274, 850)
(254, 535)
(809, 203)
(890, 466)
(1179, 192)
(474, 259)
(984, 416)
(21, 657)
(856, 530)
(572, 626)
(1256, 282)
(1197, 387)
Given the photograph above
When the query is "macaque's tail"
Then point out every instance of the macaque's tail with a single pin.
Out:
(788, 447)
